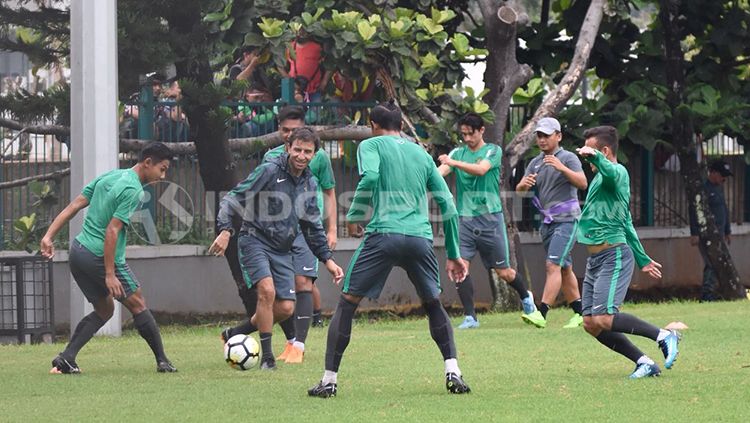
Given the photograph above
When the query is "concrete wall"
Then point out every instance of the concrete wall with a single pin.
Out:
(181, 279)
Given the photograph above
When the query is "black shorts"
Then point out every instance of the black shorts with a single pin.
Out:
(379, 252)
(88, 271)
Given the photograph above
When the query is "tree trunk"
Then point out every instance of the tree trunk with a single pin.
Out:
(555, 101)
(684, 141)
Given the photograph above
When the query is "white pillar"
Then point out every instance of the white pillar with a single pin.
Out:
(94, 136)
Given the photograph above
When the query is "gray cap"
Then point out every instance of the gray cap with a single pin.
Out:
(548, 126)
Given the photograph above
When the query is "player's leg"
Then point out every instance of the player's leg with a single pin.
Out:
(572, 296)
(305, 272)
(365, 277)
(708, 288)
(88, 272)
(465, 289)
(317, 318)
(495, 253)
(560, 239)
(418, 259)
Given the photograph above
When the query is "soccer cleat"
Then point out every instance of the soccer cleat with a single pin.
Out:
(268, 364)
(645, 370)
(535, 319)
(322, 391)
(469, 323)
(62, 366)
(295, 356)
(165, 367)
(574, 322)
(528, 304)
(668, 347)
(317, 321)
(225, 335)
(287, 350)
(455, 384)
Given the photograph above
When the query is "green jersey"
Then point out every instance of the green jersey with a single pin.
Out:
(320, 167)
(606, 214)
(115, 194)
(478, 195)
(396, 175)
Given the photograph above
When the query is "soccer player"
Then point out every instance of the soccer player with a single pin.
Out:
(396, 175)
(97, 254)
(277, 200)
(477, 167)
(606, 228)
(305, 264)
(556, 176)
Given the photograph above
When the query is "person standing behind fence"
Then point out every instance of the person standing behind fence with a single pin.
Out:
(556, 176)
(477, 167)
(606, 228)
(305, 56)
(718, 172)
(97, 255)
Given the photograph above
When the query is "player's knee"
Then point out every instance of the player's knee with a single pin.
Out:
(590, 326)
(303, 283)
(266, 293)
(507, 274)
(105, 308)
(285, 309)
(135, 303)
(551, 268)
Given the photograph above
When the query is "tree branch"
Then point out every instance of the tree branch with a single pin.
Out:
(45, 177)
(567, 86)
(35, 129)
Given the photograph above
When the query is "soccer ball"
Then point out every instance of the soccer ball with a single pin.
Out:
(241, 352)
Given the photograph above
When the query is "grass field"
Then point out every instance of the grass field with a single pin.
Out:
(393, 371)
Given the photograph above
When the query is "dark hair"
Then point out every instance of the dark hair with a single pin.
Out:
(472, 120)
(387, 115)
(306, 134)
(291, 113)
(155, 151)
(239, 53)
(604, 135)
(301, 82)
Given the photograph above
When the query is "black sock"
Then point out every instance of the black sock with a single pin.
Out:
(303, 313)
(244, 328)
(466, 295)
(85, 330)
(620, 343)
(339, 332)
(519, 285)
(577, 306)
(265, 345)
(146, 325)
(627, 323)
(288, 327)
(316, 316)
(249, 297)
(440, 328)
(544, 308)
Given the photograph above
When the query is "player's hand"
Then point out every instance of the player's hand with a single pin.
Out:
(586, 151)
(355, 230)
(47, 248)
(528, 182)
(114, 286)
(553, 161)
(652, 269)
(444, 159)
(335, 271)
(332, 238)
(694, 240)
(219, 245)
(456, 269)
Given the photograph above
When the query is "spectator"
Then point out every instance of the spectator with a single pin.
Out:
(305, 56)
(244, 69)
(718, 172)
(171, 123)
(254, 120)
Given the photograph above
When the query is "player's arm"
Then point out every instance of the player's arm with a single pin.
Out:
(315, 236)
(368, 162)
(46, 246)
(444, 170)
(528, 181)
(327, 183)
(606, 168)
(476, 169)
(456, 268)
(576, 178)
(645, 263)
(234, 203)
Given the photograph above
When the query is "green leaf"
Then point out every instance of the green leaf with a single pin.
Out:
(226, 24)
(480, 106)
(441, 16)
(214, 17)
(460, 44)
(366, 31)
(411, 74)
(428, 24)
(422, 93)
(430, 61)
(271, 27)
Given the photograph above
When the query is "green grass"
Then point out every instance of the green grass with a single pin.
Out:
(392, 370)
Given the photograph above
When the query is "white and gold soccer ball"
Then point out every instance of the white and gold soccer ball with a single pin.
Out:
(242, 352)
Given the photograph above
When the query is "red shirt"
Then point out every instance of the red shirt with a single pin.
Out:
(307, 63)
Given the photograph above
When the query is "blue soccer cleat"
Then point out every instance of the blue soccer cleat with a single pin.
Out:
(469, 323)
(645, 370)
(668, 346)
